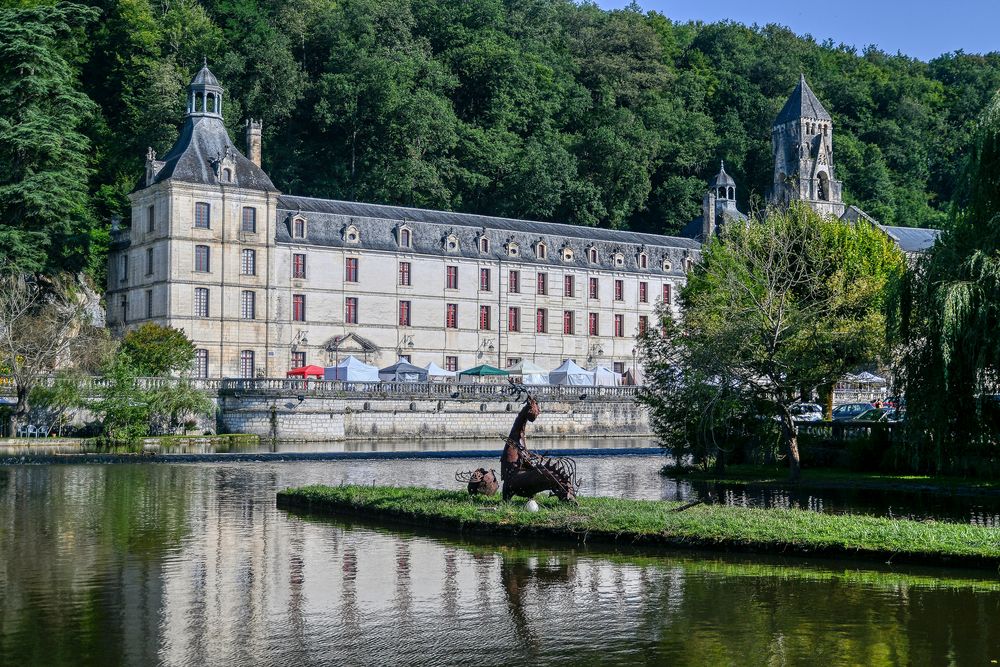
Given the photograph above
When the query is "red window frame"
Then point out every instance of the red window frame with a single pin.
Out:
(404, 274)
(569, 286)
(451, 316)
(513, 319)
(569, 322)
(298, 307)
(351, 269)
(298, 359)
(249, 221)
(619, 325)
(643, 324)
(351, 310)
(643, 292)
(666, 293)
(543, 283)
(594, 324)
(619, 290)
(451, 277)
(202, 215)
(202, 259)
(594, 288)
(404, 313)
(514, 282)
(451, 364)
(484, 280)
(484, 318)
(299, 265)
(541, 321)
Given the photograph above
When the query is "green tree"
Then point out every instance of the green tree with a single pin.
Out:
(155, 350)
(948, 318)
(45, 218)
(782, 305)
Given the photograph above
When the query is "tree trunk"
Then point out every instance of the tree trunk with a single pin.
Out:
(826, 395)
(790, 434)
(20, 410)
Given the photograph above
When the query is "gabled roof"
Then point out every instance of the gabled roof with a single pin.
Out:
(912, 239)
(802, 103)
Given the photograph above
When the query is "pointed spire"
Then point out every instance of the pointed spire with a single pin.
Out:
(802, 103)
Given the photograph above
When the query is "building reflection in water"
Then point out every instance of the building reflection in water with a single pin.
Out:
(192, 565)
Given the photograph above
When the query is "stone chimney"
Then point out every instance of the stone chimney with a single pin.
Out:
(253, 141)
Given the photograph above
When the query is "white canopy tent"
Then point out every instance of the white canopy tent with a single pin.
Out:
(435, 372)
(351, 370)
(530, 373)
(569, 373)
(605, 377)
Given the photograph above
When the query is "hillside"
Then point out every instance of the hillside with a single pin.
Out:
(542, 109)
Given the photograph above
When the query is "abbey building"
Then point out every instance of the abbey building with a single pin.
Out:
(263, 281)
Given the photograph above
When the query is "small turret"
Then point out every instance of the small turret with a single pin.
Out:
(204, 94)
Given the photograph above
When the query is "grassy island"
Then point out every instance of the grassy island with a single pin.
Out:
(656, 523)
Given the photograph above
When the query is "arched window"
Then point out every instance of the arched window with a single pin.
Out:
(484, 244)
(227, 175)
(643, 261)
(592, 254)
(823, 187)
(404, 237)
(299, 228)
(731, 193)
(541, 251)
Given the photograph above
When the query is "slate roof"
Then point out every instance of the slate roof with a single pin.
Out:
(722, 179)
(204, 77)
(912, 239)
(802, 103)
(204, 141)
(378, 225)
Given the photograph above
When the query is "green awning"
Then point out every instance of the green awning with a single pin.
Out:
(484, 370)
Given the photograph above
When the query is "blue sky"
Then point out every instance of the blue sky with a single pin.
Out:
(919, 28)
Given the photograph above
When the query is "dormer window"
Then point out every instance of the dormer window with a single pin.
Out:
(643, 260)
(592, 255)
(541, 251)
(405, 237)
(484, 244)
(666, 265)
(619, 259)
(227, 175)
(567, 254)
(351, 234)
(688, 264)
(451, 243)
(513, 249)
(298, 227)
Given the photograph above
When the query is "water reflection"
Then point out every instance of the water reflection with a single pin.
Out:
(193, 565)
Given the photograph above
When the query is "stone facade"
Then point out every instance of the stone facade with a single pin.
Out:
(262, 282)
(349, 418)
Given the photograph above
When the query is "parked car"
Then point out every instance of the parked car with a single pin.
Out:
(850, 411)
(879, 415)
(807, 412)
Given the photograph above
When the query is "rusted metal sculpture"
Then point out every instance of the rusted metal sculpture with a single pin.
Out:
(481, 481)
(525, 473)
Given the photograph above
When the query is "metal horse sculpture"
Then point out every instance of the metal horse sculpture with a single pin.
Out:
(525, 473)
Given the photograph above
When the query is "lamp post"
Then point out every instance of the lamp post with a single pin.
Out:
(635, 374)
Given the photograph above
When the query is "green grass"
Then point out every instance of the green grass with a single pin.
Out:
(818, 478)
(653, 523)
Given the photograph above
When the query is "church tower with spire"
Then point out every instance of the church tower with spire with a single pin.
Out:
(802, 142)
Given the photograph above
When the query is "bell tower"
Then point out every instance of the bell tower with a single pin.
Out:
(204, 95)
(802, 143)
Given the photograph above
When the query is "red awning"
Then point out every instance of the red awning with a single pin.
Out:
(306, 371)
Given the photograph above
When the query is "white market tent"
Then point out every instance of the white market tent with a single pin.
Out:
(605, 377)
(530, 373)
(435, 372)
(351, 370)
(868, 378)
(570, 373)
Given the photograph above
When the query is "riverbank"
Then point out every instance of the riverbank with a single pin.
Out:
(25, 449)
(776, 477)
(657, 524)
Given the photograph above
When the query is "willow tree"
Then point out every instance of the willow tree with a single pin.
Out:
(949, 324)
(778, 307)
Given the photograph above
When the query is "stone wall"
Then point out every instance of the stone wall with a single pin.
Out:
(338, 418)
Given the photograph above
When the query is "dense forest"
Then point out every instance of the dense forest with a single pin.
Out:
(543, 109)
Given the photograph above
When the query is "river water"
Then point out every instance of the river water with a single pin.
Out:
(192, 564)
